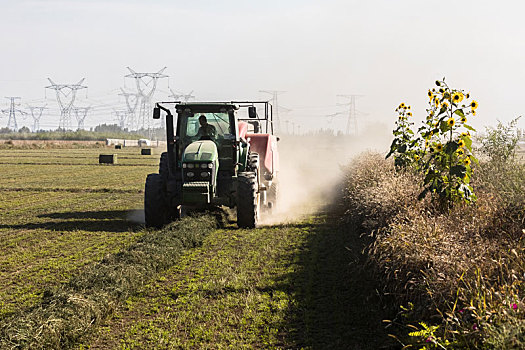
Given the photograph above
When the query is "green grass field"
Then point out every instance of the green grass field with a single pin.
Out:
(65, 219)
(59, 211)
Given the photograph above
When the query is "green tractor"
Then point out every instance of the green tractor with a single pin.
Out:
(216, 156)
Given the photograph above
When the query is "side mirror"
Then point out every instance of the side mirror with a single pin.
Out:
(252, 112)
(156, 113)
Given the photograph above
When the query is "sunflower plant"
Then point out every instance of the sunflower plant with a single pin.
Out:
(448, 158)
(405, 146)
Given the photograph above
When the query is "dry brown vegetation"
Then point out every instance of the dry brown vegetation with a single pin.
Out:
(461, 269)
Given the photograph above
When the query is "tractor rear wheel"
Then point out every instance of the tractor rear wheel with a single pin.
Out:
(248, 201)
(156, 209)
(253, 162)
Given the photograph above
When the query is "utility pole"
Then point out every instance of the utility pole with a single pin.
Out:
(132, 101)
(181, 96)
(275, 102)
(80, 115)
(352, 113)
(146, 84)
(11, 123)
(36, 114)
(69, 93)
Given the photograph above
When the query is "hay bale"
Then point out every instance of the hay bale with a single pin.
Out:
(145, 151)
(118, 146)
(107, 159)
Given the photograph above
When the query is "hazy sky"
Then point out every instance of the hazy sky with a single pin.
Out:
(389, 51)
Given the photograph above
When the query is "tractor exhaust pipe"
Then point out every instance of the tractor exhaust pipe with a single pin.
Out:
(170, 136)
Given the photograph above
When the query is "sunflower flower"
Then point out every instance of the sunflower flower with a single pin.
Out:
(451, 122)
(467, 161)
(463, 119)
(430, 95)
(465, 134)
(456, 97)
(473, 112)
(461, 143)
(474, 105)
(439, 147)
(445, 104)
(460, 152)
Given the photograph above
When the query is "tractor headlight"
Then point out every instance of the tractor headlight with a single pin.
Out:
(184, 165)
(190, 166)
(204, 165)
(190, 174)
(210, 165)
(205, 174)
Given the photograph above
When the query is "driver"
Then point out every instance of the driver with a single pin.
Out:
(206, 131)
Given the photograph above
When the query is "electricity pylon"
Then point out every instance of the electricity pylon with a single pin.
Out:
(121, 115)
(80, 115)
(132, 101)
(146, 84)
(352, 113)
(181, 96)
(67, 92)
(36, 114)
(275, 103)
(11, 123)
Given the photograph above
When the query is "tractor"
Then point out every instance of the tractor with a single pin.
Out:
(218, 154)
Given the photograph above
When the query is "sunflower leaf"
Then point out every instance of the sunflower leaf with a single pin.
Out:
(459, 112)
(444, 126)
(468, 143)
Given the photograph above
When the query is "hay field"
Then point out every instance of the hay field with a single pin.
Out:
(59, 211)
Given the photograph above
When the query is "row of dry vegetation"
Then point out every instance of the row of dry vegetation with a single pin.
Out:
(454, 269)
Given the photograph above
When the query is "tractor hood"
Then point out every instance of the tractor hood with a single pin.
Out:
(200, 151)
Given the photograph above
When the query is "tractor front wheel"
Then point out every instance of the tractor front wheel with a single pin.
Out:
(248, 201)
(156, 209)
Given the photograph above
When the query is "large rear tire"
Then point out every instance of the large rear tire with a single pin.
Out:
(156, 210)
(248, 200)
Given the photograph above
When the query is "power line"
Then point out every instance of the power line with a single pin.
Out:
(132, 101)
(275, 102)
(181, 96)
(146, 84)
(121, 115)
(352, 114)
(36, 114)
(68, 92)
(11, 123)
(80, 115)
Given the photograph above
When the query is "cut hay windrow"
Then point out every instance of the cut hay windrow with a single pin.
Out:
(68, 313)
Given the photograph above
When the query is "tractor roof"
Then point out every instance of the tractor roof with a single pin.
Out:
(206, 106)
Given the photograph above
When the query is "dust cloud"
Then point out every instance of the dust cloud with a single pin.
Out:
(136, 216)
(311, 169)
